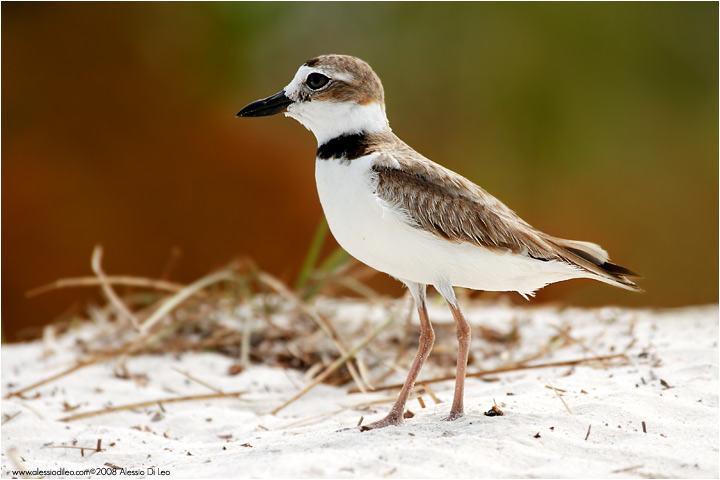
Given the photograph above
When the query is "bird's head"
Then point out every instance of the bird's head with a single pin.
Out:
(331, 95)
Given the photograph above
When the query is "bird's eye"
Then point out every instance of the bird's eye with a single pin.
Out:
(316, 81)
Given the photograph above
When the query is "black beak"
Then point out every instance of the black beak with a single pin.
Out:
(278, 103)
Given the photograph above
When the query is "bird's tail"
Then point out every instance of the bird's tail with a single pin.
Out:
(594, 259)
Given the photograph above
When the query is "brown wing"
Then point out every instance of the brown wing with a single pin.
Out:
(452, 207)
(444, 211)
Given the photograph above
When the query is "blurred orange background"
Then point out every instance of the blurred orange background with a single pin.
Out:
(593, 121)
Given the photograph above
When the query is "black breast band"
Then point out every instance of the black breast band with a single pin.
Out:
(345, 147)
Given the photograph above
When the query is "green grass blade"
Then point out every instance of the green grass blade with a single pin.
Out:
(334, 260)
(312, 254)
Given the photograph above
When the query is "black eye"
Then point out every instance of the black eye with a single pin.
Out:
(316, 81)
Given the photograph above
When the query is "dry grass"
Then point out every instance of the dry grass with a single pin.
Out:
(279, 326)
(277, 321)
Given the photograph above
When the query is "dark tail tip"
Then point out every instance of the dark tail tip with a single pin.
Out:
(618, 270)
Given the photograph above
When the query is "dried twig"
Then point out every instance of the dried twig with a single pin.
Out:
(355, 286)
(112, 280)
(127, 349)
(82, 449)
(628, 469)
(70, 370)
(107, 288)
(183, 294)
(133, 406)
(33, 409)
(197, 380)
(280, 288)
(559, 396)
(565, 333)
(431, 393)
(337, 363)
(20, 411)
(504, 370)
(334, 412)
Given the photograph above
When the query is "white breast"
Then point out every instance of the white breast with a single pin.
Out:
(381, 238)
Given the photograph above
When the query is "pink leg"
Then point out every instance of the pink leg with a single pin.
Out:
(427, 339)
(463, 336)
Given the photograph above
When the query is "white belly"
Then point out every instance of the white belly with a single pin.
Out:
(381, 238)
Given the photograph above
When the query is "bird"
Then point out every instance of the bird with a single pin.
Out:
(407, 216)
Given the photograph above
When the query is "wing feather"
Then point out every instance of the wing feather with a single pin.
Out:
(455, 217)
(455, 209)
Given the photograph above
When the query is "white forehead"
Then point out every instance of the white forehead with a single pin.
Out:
(304, 71)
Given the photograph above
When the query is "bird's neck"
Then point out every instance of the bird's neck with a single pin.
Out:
(330, 120)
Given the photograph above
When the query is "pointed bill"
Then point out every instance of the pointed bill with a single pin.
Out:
(275, 104)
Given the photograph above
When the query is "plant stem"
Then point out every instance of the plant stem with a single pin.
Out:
(312, 254)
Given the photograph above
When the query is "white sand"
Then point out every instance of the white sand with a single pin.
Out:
(537, 436)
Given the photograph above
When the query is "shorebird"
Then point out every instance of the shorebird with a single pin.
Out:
(402, 214)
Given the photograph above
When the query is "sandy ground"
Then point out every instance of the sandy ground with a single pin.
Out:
(653, 414)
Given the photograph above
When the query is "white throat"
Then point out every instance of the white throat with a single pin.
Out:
(328, 120)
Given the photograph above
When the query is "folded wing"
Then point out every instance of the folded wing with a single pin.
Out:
(457, 210)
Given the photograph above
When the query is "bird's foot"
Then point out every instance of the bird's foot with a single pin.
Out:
(393, 418)
(454, 415)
